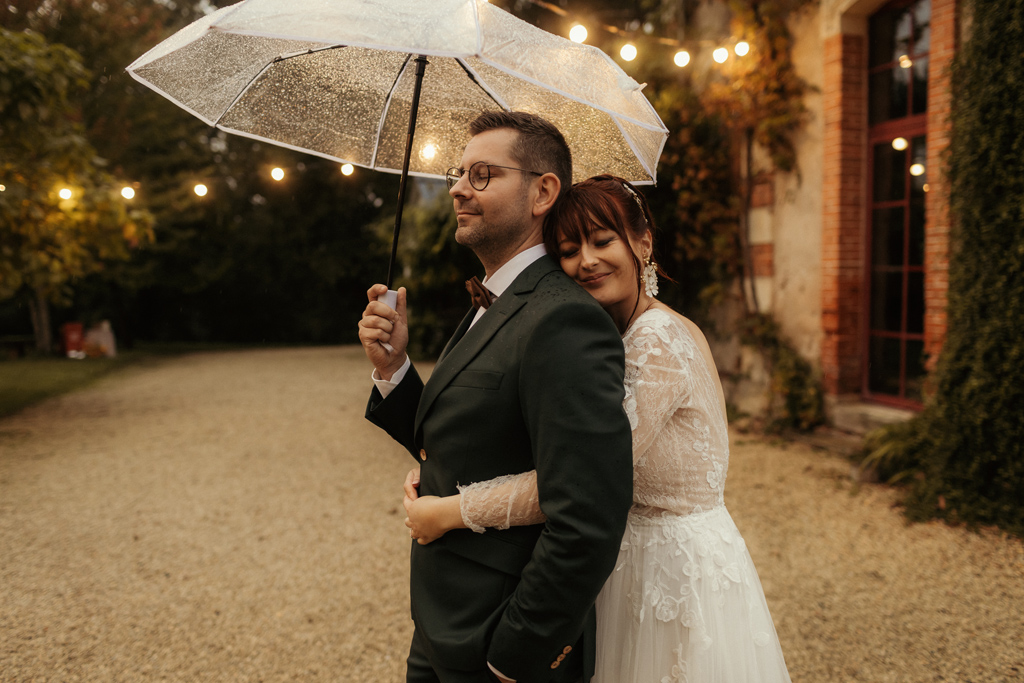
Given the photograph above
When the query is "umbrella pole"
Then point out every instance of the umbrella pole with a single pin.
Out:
(421, 65)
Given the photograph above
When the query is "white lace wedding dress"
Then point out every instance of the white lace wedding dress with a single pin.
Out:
(684, 603)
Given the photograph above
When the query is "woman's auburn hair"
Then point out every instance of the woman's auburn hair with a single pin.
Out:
(604, 202)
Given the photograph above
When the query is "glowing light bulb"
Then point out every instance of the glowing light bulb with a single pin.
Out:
(682, 58)
(347, 169)
(917, 169)
(926, 187)
(200, 190)
(906, 62)
(3, 188)
(742, 48)
(628, 52)
(720, 55)
(127, 192)
(277, 174)
(65, 193)
(900, 144)
(578, 33)
(429, 151)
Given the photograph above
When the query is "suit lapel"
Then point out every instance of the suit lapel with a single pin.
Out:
(460, 332)
(460, 352)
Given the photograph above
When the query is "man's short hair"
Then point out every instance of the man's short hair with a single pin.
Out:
(539, 147)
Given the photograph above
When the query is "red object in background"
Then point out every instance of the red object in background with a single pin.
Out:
(71, 337)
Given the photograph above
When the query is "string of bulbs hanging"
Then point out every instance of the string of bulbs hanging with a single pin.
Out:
(629, 51)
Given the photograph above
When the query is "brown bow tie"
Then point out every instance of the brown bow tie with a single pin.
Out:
(480, 295)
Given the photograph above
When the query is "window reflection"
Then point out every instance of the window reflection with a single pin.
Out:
(898, 72)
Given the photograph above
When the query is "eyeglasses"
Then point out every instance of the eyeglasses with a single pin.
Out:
(479, 174)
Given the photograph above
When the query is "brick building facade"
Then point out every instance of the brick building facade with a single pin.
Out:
(870, 205)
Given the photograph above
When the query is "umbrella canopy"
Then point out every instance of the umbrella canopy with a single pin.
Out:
(337, 78)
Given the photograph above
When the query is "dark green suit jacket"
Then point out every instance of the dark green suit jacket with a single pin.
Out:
(537, 383)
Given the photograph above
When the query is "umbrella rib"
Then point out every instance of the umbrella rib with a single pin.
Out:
(386, 109)
(275, 60)
(487, 91)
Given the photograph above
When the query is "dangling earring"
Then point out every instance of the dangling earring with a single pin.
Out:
(649, 278)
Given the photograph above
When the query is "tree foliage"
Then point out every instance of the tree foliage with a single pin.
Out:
(964, 451)
(46, 240)
(254, 260)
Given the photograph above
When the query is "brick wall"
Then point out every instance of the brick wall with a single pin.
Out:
(845, 143)
(844, 216)
(936, 260)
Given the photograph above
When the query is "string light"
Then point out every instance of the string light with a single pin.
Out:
(277, 174)
(742, 48)
(917, 169)
(429, 151)
(578, 33)
(3, 188)
(682, 58)
(127, 193)
(347, 169)
(65, 193)
(899, 144)
(628, 52)
(906, 62)
(200, 190)
(720, 55)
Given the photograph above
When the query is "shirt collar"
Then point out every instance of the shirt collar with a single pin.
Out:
(503, 277)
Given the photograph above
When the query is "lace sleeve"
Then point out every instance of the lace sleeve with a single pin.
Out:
(658, 379)
(503, 502)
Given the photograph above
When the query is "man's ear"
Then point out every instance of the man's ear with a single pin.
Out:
(547, 193)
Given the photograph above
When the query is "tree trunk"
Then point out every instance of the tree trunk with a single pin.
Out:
(39, 309)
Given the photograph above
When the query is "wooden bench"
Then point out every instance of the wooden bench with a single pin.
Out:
(17, 344)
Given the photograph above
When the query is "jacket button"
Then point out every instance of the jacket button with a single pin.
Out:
(554, 665)
(561, 657)
(567, 650)
(423, 454)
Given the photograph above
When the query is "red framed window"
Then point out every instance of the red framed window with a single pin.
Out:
(893, 363)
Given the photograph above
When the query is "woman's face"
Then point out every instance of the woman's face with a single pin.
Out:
(603, 265)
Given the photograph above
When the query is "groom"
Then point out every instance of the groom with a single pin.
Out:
(534, 381)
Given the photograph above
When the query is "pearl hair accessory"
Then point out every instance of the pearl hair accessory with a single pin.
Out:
(636, 198)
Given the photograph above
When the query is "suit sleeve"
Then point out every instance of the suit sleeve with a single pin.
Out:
(571, 391)
(396, 414)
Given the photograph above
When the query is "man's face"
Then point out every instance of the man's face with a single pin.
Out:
(497, 217)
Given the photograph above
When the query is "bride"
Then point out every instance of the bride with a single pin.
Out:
(684, 602)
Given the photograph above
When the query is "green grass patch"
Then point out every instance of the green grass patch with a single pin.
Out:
(25, 381)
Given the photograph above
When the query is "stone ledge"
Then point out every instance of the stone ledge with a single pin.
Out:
(854, 415)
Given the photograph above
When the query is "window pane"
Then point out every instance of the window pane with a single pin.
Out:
(920, 74)
(904, 32)
(915, 370)
(884, 366)
(915, 303)
(922, 26)
(886, 301)
(890, 176)
(888, 94)
(881, 39)
(916, 252)
(887, 237)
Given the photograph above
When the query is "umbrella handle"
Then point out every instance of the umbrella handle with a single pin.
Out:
(390, 298)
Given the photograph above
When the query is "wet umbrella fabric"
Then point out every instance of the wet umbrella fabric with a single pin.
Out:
(338, 79)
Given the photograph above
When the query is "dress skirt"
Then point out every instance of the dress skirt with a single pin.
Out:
(684, 605)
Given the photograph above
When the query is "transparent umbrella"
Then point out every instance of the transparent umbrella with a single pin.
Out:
(392, 85)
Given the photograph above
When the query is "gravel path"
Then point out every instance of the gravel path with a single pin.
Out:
(232, 517)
